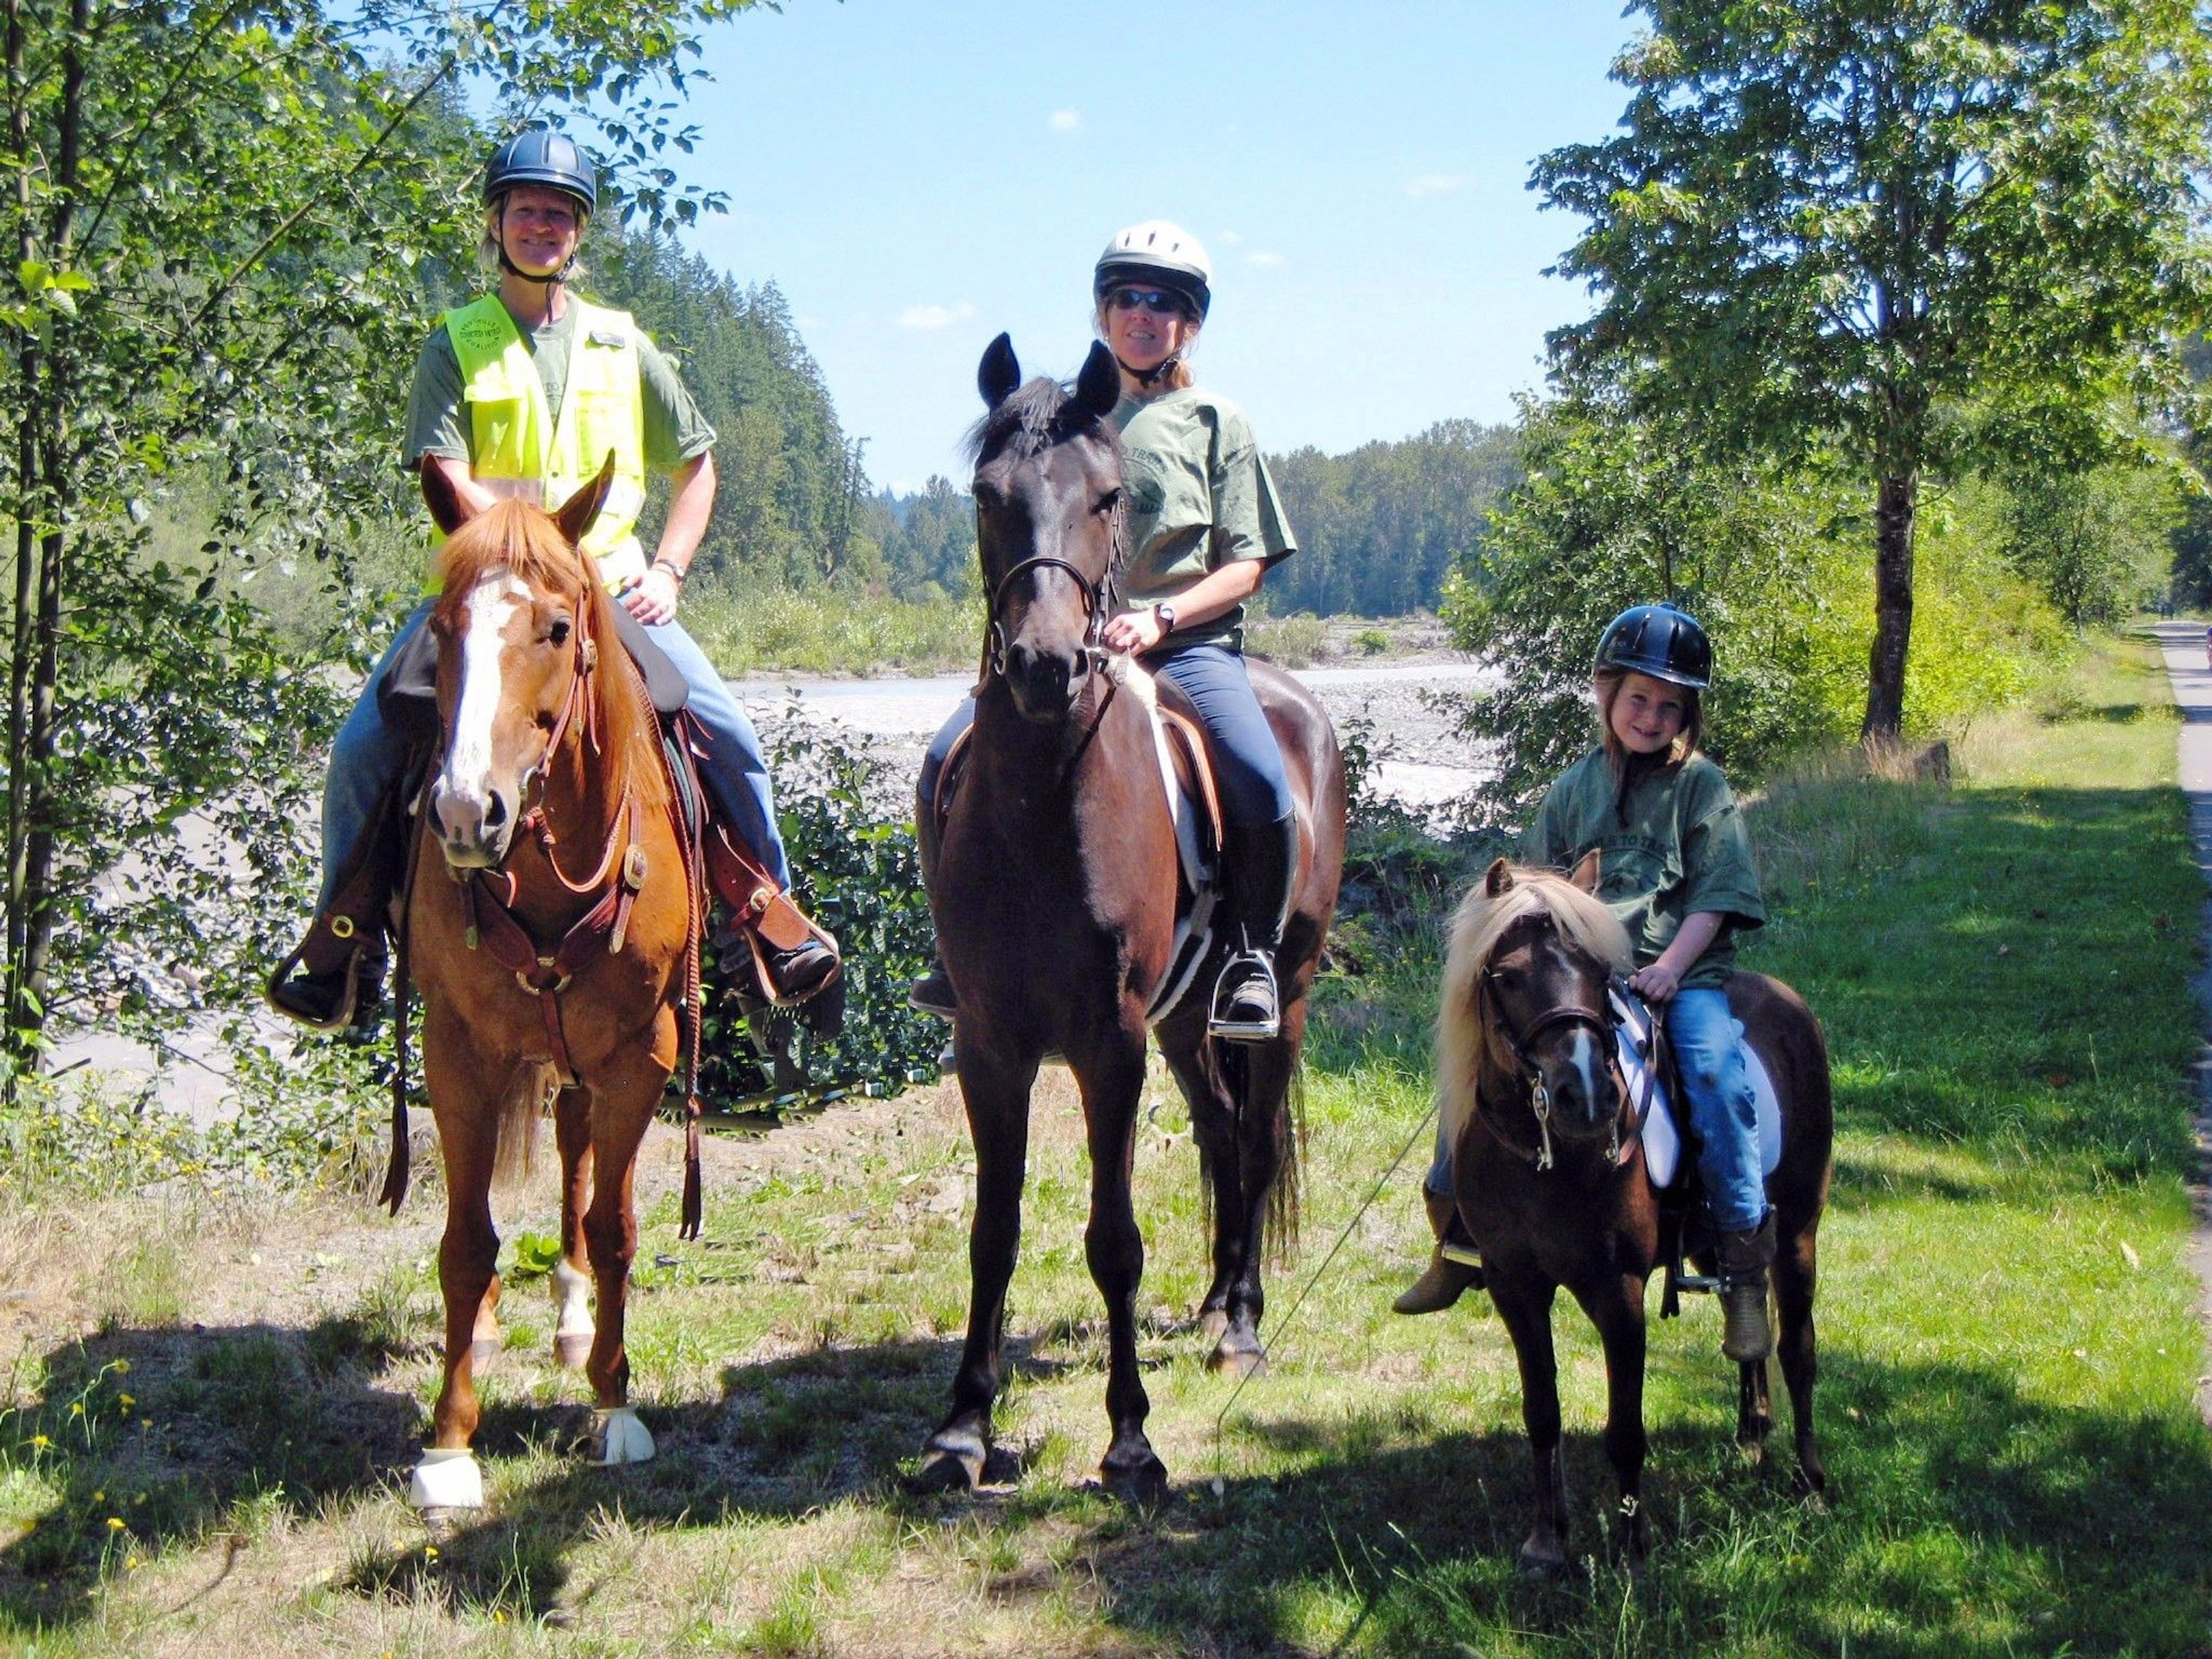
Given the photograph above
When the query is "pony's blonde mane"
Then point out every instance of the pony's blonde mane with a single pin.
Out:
(1463, 1032)
(519, 539)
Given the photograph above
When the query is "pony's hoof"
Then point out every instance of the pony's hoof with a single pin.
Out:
(951, 1461)
(571, 1350)
(620, 1438)
(1211, 1323)
(1543, 1558)
(1141, 1480)
(1238, 1360)
(483, 1353)
(1751, 1453)
(446, 1481)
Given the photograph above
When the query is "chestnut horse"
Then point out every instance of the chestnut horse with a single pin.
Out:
(1549, 1172)
(553, 962)
(1055, 889)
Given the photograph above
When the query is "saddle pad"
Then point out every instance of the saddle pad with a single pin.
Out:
(1194, 933)
(1662, 1140)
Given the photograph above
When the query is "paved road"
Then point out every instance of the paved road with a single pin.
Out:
(2186, 668)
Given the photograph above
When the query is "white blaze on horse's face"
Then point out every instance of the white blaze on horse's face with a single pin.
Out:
(475, 802)
(1579, 1071)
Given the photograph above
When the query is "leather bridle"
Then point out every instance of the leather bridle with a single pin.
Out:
(1517, 1044)
(1100, 595)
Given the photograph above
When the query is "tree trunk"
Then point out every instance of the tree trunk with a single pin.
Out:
(1893, 607)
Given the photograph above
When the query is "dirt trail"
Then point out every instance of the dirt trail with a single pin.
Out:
(2188, 669)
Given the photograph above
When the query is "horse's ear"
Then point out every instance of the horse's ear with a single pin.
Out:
(1584, 874)
(1098, 388)
(448, 511)
(577, 512)
(1499, 880)
(1000, 373)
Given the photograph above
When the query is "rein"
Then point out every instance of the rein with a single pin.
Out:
(1539, 1094)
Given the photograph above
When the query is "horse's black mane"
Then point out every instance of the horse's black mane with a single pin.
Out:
(1031, 421)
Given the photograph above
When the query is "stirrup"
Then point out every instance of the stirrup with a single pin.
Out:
(1244, 1030)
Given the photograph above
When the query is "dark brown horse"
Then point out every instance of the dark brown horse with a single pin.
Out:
(553, 962)
(1055, 892)
(1525, 1023)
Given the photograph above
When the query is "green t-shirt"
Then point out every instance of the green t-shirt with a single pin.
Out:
(675, 431)
(1682, 850)
(1200, 498)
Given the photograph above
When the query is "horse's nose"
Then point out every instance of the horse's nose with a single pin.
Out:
(1581, 1085)
(471, 826)
(1042, 679)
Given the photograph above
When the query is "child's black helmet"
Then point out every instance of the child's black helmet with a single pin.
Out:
(539, 155)
(1663, 641)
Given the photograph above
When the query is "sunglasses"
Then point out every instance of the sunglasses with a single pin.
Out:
(1159, 301)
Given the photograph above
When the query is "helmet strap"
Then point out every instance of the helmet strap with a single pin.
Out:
(1149, 378)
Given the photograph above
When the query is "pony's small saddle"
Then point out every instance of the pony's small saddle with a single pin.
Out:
(408, 696)
(1652, 1083)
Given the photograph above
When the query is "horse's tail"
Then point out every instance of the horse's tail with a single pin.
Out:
(530, 1091)
(1281, 1236)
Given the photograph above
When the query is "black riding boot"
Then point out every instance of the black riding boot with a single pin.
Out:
(334, 981)
(1744, 1260)
(932, 993)
(1261, 865)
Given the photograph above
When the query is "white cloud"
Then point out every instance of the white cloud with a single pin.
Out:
(1230, 239)
(928, 317)
(1065, 120)
(1260, 256)
(1434, 184)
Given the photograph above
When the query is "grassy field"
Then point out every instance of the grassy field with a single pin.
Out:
(212, 1410)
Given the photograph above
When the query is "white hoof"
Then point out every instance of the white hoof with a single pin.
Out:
(447, 1481)
(622, 1438)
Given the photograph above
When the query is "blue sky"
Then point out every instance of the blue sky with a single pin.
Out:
(918, 174)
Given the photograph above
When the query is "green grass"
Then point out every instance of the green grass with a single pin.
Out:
(2008, 1342)
(829, 631)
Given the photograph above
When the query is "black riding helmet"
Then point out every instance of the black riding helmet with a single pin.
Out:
(539, 155)
(1663, 641)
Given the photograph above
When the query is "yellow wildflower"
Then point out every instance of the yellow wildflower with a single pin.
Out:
(40, 1442)
(76, 1408)
(120, 1367)
(126, 1401)
(115, 1523)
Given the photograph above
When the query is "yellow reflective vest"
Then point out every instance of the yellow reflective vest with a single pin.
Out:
(518, 448)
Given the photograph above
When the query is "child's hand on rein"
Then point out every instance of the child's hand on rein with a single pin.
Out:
(1657, 983)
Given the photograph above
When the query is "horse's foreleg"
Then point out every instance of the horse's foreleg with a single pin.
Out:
(1617, 1310)
(619, 1112)
(997, 1093)
(1795, 1276)
(1247, 1157)
(1524, 1306)
(466, 1108)
(571, 1274)
(1113, 1081)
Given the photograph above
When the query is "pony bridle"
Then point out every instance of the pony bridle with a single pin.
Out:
(1100, 595)
(1517, 1044)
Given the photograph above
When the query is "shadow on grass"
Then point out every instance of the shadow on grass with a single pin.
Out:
(150, 1437)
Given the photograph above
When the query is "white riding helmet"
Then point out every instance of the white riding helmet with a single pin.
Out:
(1160, 253)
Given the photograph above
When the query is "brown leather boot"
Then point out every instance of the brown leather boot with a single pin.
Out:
(1744, 1259)
(1450, 1273)
(792, 959)
(334, 981)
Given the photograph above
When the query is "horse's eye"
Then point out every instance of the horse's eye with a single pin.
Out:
(1110, 500)
(558, 634)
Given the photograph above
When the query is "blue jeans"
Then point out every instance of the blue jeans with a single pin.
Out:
(367, 755)
(1708, 1045)
(1248, 763)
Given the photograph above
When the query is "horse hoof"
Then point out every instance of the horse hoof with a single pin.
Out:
(620, 1438)
(1211, 1323)
(1234, 1360)
(445, 1480)
(951, 1462)
(439, 1525)
(1542, 1560)
(1752, 1453)
(570, 1350)
(1142, 1482)
(482, 1353)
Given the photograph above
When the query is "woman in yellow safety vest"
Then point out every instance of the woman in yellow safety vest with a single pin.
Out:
(525, 392)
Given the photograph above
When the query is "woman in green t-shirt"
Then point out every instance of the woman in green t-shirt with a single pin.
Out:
(1204, 524)
(1675, 866)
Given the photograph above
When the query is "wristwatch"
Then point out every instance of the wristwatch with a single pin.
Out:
(1164, 614)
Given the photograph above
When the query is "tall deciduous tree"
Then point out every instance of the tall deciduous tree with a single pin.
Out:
(216, 217)
(1920, 230)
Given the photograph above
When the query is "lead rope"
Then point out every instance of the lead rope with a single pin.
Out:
(1299, 1302)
